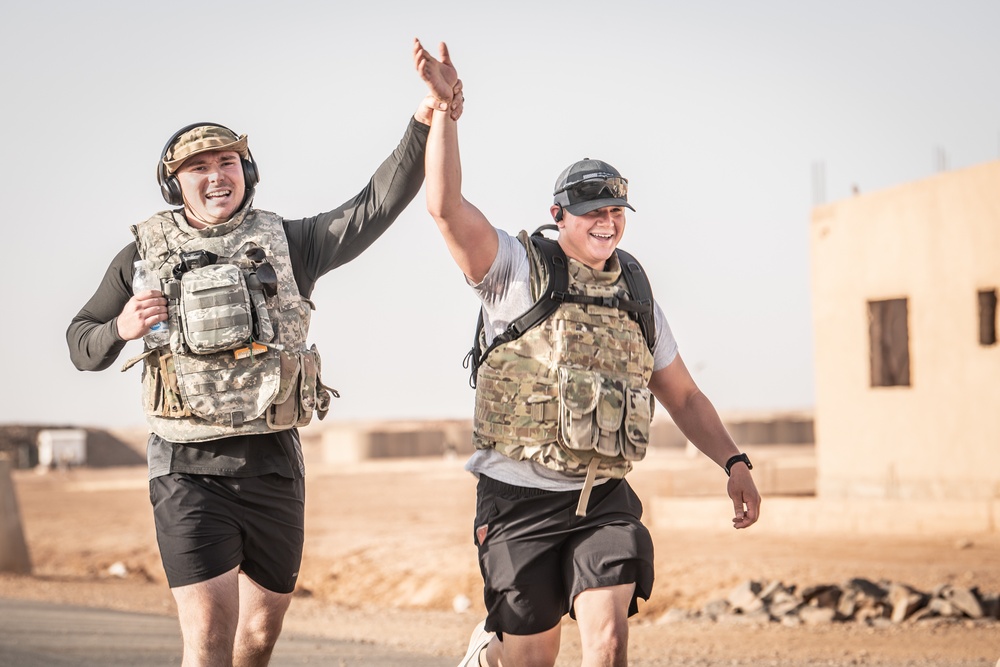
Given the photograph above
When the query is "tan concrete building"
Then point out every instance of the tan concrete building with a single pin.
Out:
(904, 285)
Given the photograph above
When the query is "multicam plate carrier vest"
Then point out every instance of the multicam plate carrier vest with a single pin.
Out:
(237, 362)
(571, 392)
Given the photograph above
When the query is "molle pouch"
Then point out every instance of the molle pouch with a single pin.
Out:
(171, 403)
(284, 412)
(609, 414)
(301, 391)
(215, 309)
(225, 390)
(153, 391)
(638, 416)
(172, 290)
(308, 377)
(324, 394)
(262, 328)
(578, 392)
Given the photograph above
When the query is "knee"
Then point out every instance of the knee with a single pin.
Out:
(540, 650)
(607, 643)
(208, 633)
(258, 635)
(541, 656)
(208, 643)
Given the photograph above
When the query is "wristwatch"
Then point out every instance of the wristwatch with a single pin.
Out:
(736, 459)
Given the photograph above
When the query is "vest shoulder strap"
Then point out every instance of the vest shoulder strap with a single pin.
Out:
(556, 292)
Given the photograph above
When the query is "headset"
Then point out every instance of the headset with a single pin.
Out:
(170, 187)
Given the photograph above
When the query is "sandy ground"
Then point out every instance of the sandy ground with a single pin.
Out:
(389, 557)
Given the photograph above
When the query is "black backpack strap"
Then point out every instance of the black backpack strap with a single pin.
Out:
(639, 305)
(642, 296)
(547, 303)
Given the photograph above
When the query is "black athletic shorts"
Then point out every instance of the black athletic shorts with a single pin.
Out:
(206, 525)
(536, 555)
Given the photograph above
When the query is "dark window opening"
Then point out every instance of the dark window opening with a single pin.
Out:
(987, 317)
(890, 343)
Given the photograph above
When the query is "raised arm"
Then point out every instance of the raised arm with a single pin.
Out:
(697, 419)
(470, 237)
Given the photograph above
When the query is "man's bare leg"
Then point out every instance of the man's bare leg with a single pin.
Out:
(538, 650)
(261, 615)
(209, 613)
(602, 615)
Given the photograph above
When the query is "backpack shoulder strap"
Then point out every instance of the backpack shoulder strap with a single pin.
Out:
(555, 267)
(641, 292)
(556, 272)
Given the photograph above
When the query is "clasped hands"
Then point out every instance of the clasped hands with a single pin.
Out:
(442, 80)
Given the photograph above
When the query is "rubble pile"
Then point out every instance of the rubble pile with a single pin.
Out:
(858, 600)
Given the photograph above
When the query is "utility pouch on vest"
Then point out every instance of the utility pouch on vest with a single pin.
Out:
(215, 309)
(308, 377)
(262, 329)
(170, 404)
(578, 393)
(224, 390)
(152, 378)
(601, 414)
(164, 395)
(285, 411)
(301, 391)
(638, 416)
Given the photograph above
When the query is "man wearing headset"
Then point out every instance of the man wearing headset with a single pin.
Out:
(225, 395)
(563, 410)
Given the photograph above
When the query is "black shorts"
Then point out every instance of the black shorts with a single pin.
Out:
(536, 555)
(206, 525)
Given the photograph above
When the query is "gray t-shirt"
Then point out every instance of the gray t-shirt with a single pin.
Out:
(506, 294)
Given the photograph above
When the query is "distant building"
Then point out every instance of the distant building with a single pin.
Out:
(62, 448)
(904, 286)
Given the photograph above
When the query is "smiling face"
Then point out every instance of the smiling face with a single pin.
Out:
(591, 238)
(212, 186)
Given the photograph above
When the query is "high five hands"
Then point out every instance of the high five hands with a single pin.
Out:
(441, 78)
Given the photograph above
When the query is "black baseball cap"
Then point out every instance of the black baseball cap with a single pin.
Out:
(588, 185)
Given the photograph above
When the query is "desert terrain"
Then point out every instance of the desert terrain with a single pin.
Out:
(389, 559)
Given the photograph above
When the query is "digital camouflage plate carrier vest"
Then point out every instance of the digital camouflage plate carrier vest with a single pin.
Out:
(237, 361)
(570, 392)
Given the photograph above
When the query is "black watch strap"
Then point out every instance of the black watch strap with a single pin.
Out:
(736, 459)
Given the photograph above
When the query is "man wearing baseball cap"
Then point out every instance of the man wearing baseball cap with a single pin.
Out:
(563, 408)
(235, 379)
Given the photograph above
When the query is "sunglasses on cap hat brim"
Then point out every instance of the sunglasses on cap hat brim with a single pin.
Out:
(589, 189)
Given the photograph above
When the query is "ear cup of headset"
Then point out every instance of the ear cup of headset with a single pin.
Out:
(170, 187)
(251, 177)
(559, 215)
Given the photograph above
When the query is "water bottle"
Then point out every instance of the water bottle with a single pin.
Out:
(144, 278)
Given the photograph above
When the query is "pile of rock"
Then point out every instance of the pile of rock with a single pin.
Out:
(860, 600)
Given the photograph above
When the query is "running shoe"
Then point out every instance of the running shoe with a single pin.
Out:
(480, 640)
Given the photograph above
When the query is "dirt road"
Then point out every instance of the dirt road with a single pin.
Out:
(389, 558)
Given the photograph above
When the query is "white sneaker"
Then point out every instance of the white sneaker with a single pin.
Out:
(479, 640)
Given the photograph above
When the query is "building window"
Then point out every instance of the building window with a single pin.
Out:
(987, 317)
(890, 343)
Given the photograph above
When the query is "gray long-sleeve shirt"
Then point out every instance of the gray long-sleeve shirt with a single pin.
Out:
(317, 245)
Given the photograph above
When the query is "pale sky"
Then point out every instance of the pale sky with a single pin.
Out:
(716, 112)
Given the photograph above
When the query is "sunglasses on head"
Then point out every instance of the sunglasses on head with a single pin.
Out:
(589, 189)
